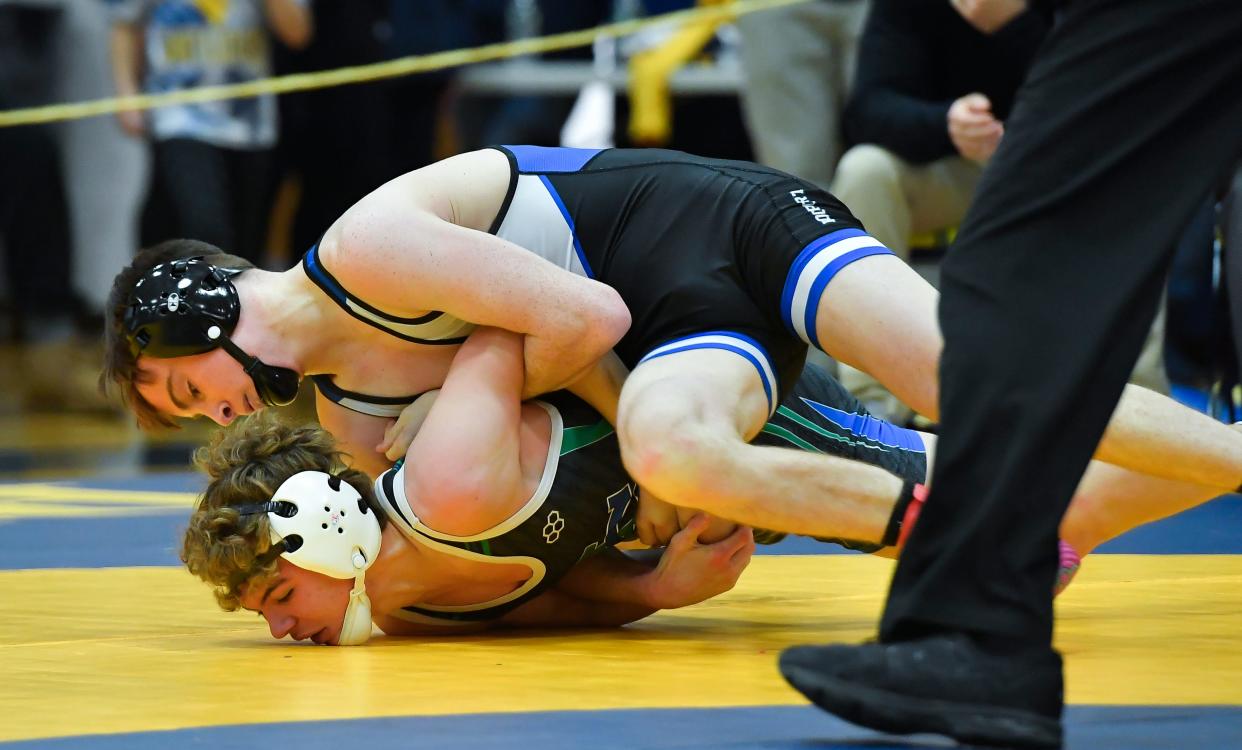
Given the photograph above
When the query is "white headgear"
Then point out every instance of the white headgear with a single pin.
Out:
(326, 527)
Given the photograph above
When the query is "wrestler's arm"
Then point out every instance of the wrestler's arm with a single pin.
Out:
(551, 609)
(601, 390)
(601, 385)
(408, 247)
(688, 571)
(463, 468)
(612, 589)
(558, 607)
(428, 626)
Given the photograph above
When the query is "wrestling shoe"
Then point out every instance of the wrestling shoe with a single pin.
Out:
(1070, 562)
(1069, 557)
(943, 684)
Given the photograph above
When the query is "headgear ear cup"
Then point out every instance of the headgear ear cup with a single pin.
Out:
(276, 386)
(188, 306)
(337, 541)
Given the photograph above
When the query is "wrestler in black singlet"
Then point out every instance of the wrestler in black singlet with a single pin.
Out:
(587, 502)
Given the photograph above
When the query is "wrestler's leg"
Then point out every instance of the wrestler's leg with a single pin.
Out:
(1154, 435)
(684, 422)
(878, 315)
(1111, 500)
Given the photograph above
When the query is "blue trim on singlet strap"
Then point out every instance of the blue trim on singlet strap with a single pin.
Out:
(768, 386)
(352, 305)
(556, 197)
(551, 158)
(871, 428)
(339, 395)
(334, 289)
(821, 282)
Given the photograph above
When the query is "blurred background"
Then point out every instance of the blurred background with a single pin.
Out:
(809, 88)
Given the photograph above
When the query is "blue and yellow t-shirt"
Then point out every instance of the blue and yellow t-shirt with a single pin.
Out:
(192, 43)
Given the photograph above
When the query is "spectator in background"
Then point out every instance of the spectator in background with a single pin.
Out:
(799, 61)
(1201, 307)
(1231, 248)
(316, 125)
(34, 219)
(213, 160)
(926, 113)
(415, 101)
(534, 118)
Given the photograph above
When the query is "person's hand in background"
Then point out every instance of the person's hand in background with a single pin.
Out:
(989, 15)
(975, 132)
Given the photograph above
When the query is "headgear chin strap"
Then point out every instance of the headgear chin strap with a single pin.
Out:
(323, 525)
(186, 307)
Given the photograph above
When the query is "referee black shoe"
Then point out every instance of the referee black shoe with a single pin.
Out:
(943, 684)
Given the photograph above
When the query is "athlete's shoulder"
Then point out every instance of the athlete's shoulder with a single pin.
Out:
(480, 163)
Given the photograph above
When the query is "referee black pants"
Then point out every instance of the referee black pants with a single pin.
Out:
(1131, 112)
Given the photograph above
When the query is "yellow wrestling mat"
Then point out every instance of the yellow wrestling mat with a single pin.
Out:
(107, 644)
(133, 649)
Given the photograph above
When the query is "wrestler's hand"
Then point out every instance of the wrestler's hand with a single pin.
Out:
(400, 433)
(690, 572)
(657, 521)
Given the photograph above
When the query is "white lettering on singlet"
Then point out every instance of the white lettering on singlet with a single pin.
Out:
(811, 207)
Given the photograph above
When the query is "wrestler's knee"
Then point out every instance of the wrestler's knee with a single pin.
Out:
(668, 450)
(652, 446)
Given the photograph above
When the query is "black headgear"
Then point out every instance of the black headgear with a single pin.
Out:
(188, 306)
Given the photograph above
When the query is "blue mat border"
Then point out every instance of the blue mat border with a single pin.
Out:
(768, 727)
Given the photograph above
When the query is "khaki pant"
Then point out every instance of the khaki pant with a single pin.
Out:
(895, 199)
(798, 63)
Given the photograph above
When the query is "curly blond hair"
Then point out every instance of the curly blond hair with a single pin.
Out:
(246, 464)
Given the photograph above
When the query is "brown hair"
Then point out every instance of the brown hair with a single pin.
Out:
(120, 363)
(245, 464)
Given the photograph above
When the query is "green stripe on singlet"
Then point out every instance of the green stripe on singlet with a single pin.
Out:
(801, 420)
(573, 438)
(789, 437)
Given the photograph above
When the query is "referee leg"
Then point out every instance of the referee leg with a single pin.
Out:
(1131, 112)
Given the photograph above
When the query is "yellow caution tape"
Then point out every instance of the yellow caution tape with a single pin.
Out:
(651, 102)
(378, 71)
